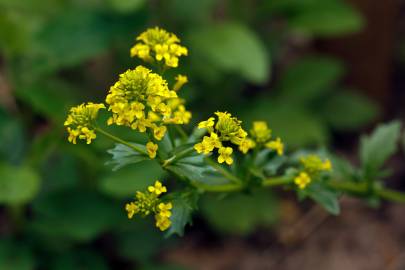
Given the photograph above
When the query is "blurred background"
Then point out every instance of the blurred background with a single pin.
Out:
(321, 72)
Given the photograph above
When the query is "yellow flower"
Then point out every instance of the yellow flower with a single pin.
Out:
(80, 122)
(225, 155)
(180, 81)
(132, 209)
(158, 44)
(229, 128)
(302, 180)
(159, 132)
(151, 148)
(208, 124)
(137, 93)
(314, 164)
(163, 223)
(276, 145)
(246, 145)
(164, 209)
(260, 132)
(157, 188)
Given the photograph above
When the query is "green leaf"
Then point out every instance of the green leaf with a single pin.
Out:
(123, 155)
(18, 185)
(295, 125)
(125, 182)
(183, 206)
(240, 213)
(237, 49)
(80, 259)
(328, 18)
(376, 148)
(75, 215)
(310, 78)
(15, 256)
(327, 198)
(127, 6)
(358, 110)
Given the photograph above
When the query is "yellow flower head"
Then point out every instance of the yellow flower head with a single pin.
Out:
(302, 180)
(225, 155)
(151, 148)
(160, 45)
(147, 203)
(157, 188)
(229, 128)
(80, 122)
(276, 145)
(260, 132)
(246, 145)
(208, 124)
(314, 164)
(180, 81)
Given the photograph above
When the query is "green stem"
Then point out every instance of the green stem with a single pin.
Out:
(217, 188)
(121, 141)
(391, 195)
(277, 181)
(181, 132)
(224, 171)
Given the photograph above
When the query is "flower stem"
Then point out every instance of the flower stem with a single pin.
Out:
(277, 181)
(224, 171)
(121, 141)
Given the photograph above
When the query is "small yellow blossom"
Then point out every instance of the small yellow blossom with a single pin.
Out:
(208, 124)
(164, 209)
(157, 188)
(276, 145)
(158, 44)
(260, 132)
(180, 81)
(302, 180)
(225, 155)
(151, 148)
(132, 209)
(80, 122)
(314, 164)
(163, 223)
(159, 132)
(246, 145)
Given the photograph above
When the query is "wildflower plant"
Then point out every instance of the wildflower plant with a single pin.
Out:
(220, 155)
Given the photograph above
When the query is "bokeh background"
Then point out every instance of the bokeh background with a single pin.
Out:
(321, 72)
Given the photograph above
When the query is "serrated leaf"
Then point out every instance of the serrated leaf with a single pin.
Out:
(358, 110)
(183, 206)
(310, 78)
(240, 213)
(237, 49)
(123, 155)
(18, 185)
(127, 181)
(376, 148)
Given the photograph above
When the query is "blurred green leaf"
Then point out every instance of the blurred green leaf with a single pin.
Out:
(15, 256)
(327, 18)
(80, 259)
(184, 203)
(232, 47)
(326, 197)
(18, 185)
(309, 78)
(126, 6)
(240, 213)
(12, 141)
(376, 148)
(347, 110)
(295, 125)
(123, 155)
(128, 180)
(75, 214)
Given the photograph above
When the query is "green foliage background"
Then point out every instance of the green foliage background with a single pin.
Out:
(61, 207)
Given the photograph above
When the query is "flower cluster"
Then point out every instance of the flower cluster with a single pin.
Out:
(80, 122)
(262, 135)
(156, 44)
(312, 166)
(225, 129)
(148, 202)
